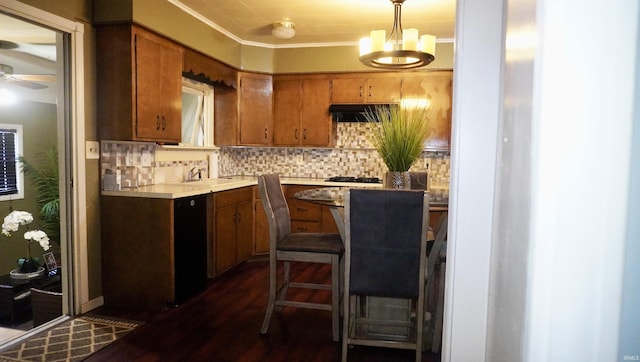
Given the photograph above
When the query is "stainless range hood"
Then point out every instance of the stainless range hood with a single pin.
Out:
(352, 112)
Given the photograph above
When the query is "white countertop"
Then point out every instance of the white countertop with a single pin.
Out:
(186, 189)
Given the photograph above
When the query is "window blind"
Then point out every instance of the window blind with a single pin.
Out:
(8, 173)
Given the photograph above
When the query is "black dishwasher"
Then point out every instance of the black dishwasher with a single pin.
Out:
(190, 246)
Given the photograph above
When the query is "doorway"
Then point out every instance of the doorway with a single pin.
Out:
(34, 72)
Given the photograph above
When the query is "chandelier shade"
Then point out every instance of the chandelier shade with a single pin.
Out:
(402, 49)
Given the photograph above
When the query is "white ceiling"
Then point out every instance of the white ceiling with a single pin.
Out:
(320, 22)
(35, 54)
(317, 23)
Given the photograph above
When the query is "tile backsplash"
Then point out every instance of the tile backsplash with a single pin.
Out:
(132, 164)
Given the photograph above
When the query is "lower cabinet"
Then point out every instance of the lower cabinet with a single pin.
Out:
(148, 250)
(233, 227)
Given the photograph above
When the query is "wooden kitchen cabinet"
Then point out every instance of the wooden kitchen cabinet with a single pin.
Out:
(384, 88)
(301, 112)
(233, 227)
(255, 115)
(139, 77)
(144, 244)
(436, 88)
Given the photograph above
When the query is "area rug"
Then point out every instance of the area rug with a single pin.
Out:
(71, 340)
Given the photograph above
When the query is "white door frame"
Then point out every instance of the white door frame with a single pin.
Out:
(74, 257)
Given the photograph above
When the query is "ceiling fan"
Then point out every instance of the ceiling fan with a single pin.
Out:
(24, 80)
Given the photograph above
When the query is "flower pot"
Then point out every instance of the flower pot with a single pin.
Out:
(27, 265)
(397, 180)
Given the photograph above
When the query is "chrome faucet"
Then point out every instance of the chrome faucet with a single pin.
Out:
(195, 171)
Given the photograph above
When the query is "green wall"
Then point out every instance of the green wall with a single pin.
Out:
(39, 122)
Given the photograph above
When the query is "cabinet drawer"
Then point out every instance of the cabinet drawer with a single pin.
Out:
(305, 226)
(226, 198)
(303, 210)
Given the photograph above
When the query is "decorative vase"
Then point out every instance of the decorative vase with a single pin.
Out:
(27, 265)
(397, 180)
(28, 268)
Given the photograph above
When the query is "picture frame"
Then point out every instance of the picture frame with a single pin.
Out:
(50, 261)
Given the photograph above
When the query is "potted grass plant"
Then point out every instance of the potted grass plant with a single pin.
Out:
(398, 134)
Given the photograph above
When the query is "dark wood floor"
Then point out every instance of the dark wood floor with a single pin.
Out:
(223, 323)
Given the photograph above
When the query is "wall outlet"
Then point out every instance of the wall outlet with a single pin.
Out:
(92, 151)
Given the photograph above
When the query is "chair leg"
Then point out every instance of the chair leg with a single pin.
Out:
(437, 328)
(285, 282)
(341, 285)
(349, 317)
(273, 280)
(335, 297)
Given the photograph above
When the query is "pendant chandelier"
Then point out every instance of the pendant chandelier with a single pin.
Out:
(401, 49)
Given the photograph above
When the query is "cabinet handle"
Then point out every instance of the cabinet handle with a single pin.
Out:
(370, 91)
(304, 134)
(295, 134)
(157, 122)
(239, 218)
(265, 134)
(361, 91)
(302, 209)
(164, 123)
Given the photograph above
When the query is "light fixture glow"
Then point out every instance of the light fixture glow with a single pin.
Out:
(284, 29)
(7, 98)
(379, 51)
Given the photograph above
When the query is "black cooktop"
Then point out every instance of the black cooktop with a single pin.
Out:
(367, 180)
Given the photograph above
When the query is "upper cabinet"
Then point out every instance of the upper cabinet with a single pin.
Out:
(139, 85)
(435, 88)
(301, 112)
(255, 120)
(375, 88)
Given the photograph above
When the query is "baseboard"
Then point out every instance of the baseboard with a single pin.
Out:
(92, 304)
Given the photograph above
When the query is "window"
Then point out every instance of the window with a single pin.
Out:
(197, 113)
(11, 180)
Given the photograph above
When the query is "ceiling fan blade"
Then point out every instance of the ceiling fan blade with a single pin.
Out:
(35, 77)
(25, 83)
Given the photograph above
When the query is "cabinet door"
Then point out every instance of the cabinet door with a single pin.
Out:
(244, 230)
(315, 122)
(225, 237)
(436, 89)
(383, 90)
(348, 90)
(286, 112)
(158, 89)
(255, 109)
